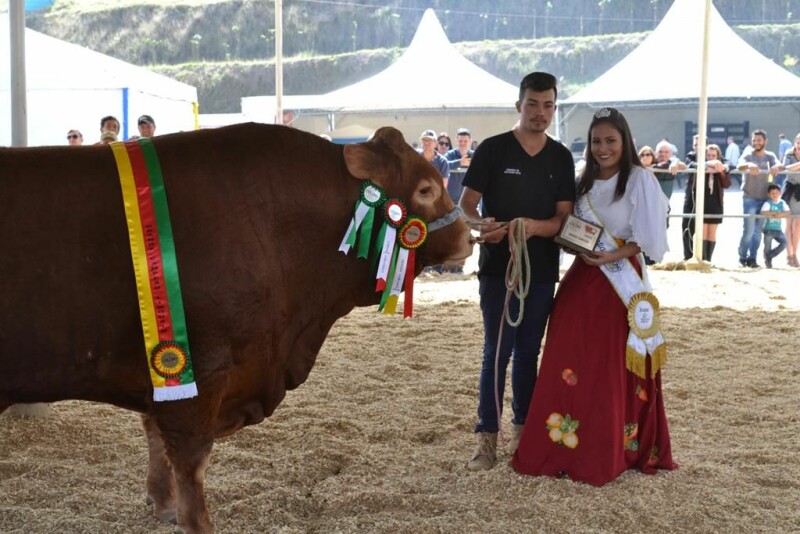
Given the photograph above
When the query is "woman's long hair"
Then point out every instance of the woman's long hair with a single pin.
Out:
(627, 161)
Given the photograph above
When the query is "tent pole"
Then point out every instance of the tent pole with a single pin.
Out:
(702, 128)
(19, 103)
(125, 113)
(558, 125)
(278, 61)
(19, 137)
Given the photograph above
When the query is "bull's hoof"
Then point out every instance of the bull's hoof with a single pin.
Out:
(167, 514)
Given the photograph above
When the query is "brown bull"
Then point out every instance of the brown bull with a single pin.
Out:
(258, 213)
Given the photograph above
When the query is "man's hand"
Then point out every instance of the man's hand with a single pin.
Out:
(493, 233)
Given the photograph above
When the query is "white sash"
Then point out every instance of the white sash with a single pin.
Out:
(636, 293)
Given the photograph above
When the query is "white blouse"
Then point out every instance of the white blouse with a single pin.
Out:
(639, 216)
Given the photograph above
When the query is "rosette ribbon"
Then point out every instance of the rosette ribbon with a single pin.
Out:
(156, 270)
(362, 220)
(394, 216)
(411, 236)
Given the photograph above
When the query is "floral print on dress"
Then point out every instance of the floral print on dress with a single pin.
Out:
(562, 429)
(630, 443)
(569, 376)
(653, 456)
(641, 393)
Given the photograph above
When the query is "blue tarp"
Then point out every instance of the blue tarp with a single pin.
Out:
(35, 5)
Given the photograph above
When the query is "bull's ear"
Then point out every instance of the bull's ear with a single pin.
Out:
(391, 137)
(363, 162)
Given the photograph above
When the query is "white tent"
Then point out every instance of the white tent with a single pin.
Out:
(69, 86)
(430, 74)
(430, 86)
(658, 84)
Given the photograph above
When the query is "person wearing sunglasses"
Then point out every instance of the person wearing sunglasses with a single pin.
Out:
(646, 156)
(74, 138)
(443, 143)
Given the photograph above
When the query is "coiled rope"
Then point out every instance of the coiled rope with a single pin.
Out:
(518, 283)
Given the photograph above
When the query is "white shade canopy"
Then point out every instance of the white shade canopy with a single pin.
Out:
(430, 74)
(736, 71)
(69, 86)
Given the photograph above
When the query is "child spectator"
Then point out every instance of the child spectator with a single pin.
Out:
(774, 208)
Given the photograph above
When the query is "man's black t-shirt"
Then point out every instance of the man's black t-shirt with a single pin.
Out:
(514, 184)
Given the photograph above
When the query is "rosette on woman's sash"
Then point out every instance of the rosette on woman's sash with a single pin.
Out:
(361, 223)
(410, 237)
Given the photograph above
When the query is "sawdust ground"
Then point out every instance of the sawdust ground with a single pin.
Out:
(377, 439)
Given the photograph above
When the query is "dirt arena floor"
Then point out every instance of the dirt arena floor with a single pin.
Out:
(378, 438)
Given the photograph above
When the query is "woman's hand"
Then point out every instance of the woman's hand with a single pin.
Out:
(597, 258)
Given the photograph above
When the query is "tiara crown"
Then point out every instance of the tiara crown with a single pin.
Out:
(603, 113)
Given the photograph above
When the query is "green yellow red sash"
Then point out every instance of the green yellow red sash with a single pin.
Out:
(156, 270)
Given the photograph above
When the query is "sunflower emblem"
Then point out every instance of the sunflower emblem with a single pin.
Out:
(168, 359)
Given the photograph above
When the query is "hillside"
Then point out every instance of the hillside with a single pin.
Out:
(226, 49)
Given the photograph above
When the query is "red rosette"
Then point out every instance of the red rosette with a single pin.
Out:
(413, 233)
(395, 213)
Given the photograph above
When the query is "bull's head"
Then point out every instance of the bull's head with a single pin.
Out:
(391, 163)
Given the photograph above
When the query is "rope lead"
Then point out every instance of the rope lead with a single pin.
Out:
(518, 282)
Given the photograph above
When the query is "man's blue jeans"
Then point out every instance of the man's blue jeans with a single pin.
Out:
(751, 232)
(524, 341)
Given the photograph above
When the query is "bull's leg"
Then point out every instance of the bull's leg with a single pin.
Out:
(160, 480)
(189, 454)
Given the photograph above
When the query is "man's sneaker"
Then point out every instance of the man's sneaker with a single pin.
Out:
(767, 262)
(485, 454)
(752, 264)
(742, 263)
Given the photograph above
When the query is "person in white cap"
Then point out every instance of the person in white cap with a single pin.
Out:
(428, 141)
(147, 126)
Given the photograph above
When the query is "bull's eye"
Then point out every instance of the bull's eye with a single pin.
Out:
(425, 191)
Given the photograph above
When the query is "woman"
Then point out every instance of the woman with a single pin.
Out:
(716, 181)
(443, 143)
(597, 409)
(791, 194)
(646, 156)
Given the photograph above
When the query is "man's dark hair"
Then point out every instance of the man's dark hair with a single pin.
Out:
(108, 118)
(760, 132)
(538, 81)
(771, 187)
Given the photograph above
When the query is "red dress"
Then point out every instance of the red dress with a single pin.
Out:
(590, 418)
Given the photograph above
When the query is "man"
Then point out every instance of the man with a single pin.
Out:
(526, 178)
(732, 152)
(108, 124)
(666, 160)
(756, 167)
(458, 160)
(428, 141)
(74, 138)
(147, 126)
(732, 155)
(783, 145)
